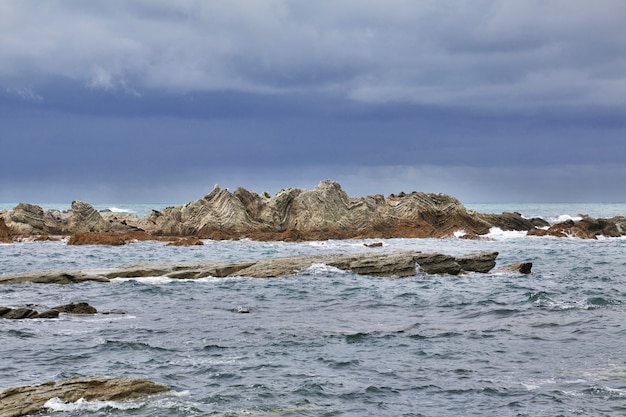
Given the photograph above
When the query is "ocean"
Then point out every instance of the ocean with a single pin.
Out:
(324, 342)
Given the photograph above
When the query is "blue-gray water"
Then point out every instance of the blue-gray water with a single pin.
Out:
(329, 343)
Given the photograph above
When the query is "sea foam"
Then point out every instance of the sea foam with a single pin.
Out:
(56, 404)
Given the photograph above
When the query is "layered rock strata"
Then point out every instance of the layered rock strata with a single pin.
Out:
(24, 400)
(294, 214)
(401, 264)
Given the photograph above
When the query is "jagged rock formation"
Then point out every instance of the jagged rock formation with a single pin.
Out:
(325, 212)
(587, 228)
(20, 401)
(401, 264)
(31, 312)
(294, 214)
(31, 220)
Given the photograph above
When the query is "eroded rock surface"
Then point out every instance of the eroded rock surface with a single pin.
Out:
(586, 228)
(294, 214)
(401, 264)
(20, 401)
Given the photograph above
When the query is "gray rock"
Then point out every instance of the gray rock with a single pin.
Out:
(516, 267)
(481, 262)
(401, 264)
(20, 401)
(32, 312)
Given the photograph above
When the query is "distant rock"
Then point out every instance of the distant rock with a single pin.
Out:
(32, 313)
(26, 219)
(24, 400)
(326, 212)
(293, 214)
(586, 228)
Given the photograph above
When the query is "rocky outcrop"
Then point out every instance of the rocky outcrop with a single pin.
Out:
(32, 312)
(31, 220)
(401, 264)
(586, 228)
(26, 219)
(24, 400)
(294, 214)
(326, 212)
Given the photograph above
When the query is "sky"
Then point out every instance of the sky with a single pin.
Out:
(141, 101)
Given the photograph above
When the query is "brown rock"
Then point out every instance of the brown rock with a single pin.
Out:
(26, 219)
(107, 238)
(587, 228)
(20, 401)
(76, 308)
(19, 314)
(6, 234)
(294, 214)
(188, 241)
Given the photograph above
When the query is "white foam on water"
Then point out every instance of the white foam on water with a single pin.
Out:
(120, 210)
(56, 404)
(496, 233)
(146, 280)
(564, 218)
(460, 233)
(322, 269)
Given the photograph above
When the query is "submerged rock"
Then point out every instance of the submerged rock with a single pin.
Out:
(20, 401)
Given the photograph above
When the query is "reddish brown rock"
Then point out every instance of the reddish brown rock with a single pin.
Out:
(6, 235)
(107, 238)
(587, 228)
(188, 241)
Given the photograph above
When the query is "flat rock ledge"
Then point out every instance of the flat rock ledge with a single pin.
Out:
(399, 263)
(20, 401)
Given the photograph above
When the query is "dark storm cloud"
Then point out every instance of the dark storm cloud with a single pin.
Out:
(472, 97)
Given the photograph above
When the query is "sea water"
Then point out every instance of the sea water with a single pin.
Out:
(325, 342)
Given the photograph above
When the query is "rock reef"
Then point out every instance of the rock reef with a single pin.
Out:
(401, 264)
(24, 400)
(293, 214)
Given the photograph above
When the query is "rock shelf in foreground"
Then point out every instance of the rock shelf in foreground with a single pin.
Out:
(400, 263)
(20, 401)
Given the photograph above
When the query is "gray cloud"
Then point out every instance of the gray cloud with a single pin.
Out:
(486, 53)
(486, 100)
